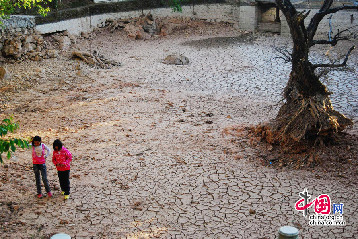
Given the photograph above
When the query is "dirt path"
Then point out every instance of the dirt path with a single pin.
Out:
(151, 156)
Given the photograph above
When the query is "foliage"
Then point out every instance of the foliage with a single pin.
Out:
(9, 145)
(7, 7)
(176, 5)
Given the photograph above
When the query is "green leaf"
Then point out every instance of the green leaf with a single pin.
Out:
(21, 143)
(26, 144)
(12, 146)
(3, 131)
(8, 154)
(1, 159)
(6, 146)
(7, 121)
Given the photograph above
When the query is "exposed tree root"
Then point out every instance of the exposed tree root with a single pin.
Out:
(310, 119)
(95, 60)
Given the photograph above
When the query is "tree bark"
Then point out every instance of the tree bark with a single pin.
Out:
(307, 111)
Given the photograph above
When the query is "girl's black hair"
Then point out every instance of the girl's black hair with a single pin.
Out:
(57, 143)
(36, 138)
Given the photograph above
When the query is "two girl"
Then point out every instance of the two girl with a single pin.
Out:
(61, 159)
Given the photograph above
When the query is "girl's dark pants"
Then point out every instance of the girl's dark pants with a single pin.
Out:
(64, 177)
(41, 168)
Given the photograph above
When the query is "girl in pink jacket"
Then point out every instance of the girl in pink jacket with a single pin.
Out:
(61, 159)
(39, 154)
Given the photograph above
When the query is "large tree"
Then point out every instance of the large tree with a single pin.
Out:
(7, 7)
(307, 111)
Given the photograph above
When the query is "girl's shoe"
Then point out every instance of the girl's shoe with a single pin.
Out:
(63, 193)
(49, 194)
(39, 195)
(67, 197)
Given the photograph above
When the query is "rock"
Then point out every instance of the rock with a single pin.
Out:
(150, 25)
(95, 59)
(3, 74)
(29, 47)
(52, 54)
(168, 28)
(252, 211)
(64, 222)
(64, 42)
(35, 56)
(176, 60)
(56, 187)
(135, 32)
(85, 35)
(38, 48)
(17, 46)
(22, 222)
(12, 48)
(29, 39)
(137, 206)
(73, 39)
(165, 30)
(39, 40)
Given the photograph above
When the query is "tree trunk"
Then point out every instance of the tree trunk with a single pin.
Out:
(307, 111)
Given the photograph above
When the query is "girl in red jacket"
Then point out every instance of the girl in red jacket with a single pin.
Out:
(39, 154)
(61, 159)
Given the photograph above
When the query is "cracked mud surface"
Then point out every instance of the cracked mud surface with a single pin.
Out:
(151, 159)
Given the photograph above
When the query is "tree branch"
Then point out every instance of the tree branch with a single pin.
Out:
(326, 5)
(336, 65)
(285, 55)
(338, 37)
(324, 11)
(295, 19)
(336, 9)
(287, 8)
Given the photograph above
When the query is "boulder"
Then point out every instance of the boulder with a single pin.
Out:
(12, 48)
(17, 46)
(174, 59)
(136, 32)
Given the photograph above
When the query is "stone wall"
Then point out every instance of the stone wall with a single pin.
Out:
(14, 35)
(18, 24)
(20, 40)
